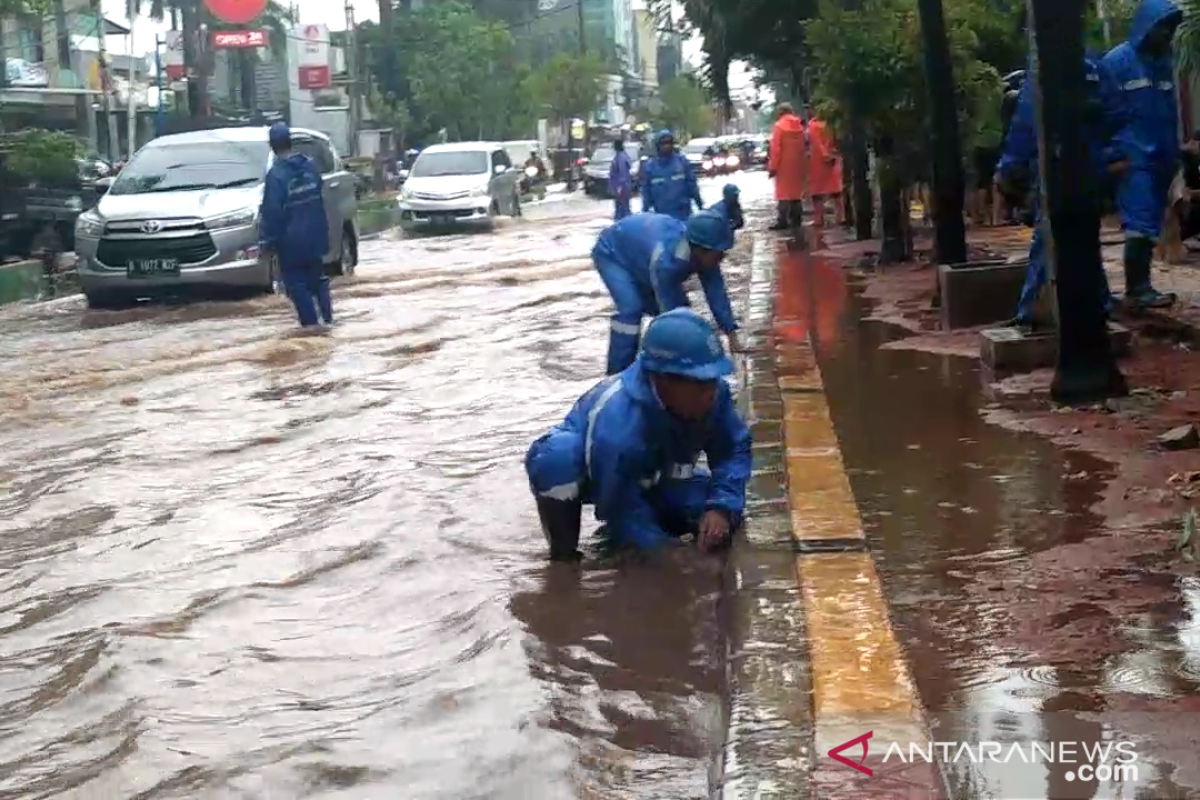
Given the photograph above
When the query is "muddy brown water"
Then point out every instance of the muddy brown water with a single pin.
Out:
(238, 563)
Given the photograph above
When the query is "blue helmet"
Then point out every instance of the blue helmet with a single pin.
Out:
(709, 230)
(731, 191)
(279, 134)
(683, 343)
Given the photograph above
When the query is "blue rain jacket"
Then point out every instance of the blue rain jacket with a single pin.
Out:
(652, 251)
(620, 450)
(732, 212)
(620, 179)
(293, 222)
(669, 183)
(1020, 150)
(1143, 112)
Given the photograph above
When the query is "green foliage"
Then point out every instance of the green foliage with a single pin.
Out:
(445, 67)
(571, 86)
(1187, 40)
(42, 156)
(34, 8)
(685, 108)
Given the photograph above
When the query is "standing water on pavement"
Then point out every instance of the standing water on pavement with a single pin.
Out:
(237, 563)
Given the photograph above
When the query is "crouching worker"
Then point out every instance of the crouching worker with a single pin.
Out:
(295, 229)
(730, 207)
(629, 448)
(645, 260)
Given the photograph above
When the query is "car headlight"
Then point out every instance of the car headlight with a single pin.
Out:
(733, 161)
(234, 219)
(89, 224)
(707, 164)
(479, 191)
(406, 193)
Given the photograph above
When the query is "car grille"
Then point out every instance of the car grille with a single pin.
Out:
(187, 249)
(433, 196)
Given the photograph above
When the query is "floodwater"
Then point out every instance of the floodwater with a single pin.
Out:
(236, 563)
(1007, 592)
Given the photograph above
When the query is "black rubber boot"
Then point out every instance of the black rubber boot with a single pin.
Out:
(1140, 293)
(560, 523)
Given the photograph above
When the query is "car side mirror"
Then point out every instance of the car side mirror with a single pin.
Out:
(103, 185)
(500, 169)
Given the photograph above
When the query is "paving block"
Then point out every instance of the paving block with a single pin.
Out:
(980, 293)
(1009, 350)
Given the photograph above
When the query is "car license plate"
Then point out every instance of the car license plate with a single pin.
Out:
(152, 267)
(442, 219)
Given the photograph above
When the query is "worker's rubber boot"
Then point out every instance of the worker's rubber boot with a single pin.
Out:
(561, 520)
(1139, 292)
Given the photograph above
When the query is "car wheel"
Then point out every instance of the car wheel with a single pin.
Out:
(107, 301)
(349, 258)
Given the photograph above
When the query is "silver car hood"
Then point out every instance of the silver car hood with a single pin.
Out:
(176, 205)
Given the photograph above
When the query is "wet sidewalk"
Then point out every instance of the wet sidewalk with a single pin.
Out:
(906, 559)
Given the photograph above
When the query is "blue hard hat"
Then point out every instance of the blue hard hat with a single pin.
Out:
(730, 191)
(279, 133)
(708, 230)
(683, 343)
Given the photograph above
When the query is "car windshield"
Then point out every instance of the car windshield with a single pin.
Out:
(450, 162)
(193, 166)
(698, 146)
(603, 153)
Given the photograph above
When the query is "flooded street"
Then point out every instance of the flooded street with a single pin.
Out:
(240, 564)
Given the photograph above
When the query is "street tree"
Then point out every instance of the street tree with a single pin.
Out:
(685, 107)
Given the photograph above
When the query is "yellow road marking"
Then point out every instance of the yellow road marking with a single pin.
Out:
(860, 678)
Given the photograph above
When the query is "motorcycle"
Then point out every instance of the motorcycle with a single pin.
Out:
(533, 182)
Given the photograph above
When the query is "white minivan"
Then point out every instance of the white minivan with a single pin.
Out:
(460, 183)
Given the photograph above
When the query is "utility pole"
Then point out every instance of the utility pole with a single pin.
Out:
(948, 185)
(353, 70)
(131, 101)
(860, 166)
(1086, 370)
(106, 82)
(582, 28)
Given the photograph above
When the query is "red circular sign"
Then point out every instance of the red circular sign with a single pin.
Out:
(236, 12)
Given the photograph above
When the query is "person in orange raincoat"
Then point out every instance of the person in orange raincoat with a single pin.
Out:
(787, 165)
(824, 166)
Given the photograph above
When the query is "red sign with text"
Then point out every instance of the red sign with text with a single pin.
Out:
(226, 40)
(314, 77)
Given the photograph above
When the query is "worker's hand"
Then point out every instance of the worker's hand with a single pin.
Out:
(735, 342)
(771, 174)
(1118, 168)
(714, 530)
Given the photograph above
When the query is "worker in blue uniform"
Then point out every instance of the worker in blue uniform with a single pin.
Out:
(1143, 112)
(294, 229)
(668, 181)
(644, 261)
(629, 448)
(620, 180)
(1019, 166)
(730, 207)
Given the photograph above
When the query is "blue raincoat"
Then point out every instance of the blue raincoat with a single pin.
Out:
(731, 209)
(294, 226)
(644, 261)
(1020, 154)
(669, 183)
(621, 451)
(1143, 112)
(620, 183)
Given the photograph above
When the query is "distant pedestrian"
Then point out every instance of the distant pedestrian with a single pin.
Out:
(295, 229)
(620, 180)
(824, 171)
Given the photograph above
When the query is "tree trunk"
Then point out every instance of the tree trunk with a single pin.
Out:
(860, 168)
(1086, 370)
(892, 211)
(948, 185)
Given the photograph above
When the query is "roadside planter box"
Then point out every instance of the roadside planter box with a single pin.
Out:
(22, 280)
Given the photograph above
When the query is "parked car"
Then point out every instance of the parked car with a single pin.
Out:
(460, 183)
(183, 215)
(595, 172)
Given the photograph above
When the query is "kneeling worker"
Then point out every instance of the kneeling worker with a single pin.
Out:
(644, 261)
(295, 228)
(629, 448)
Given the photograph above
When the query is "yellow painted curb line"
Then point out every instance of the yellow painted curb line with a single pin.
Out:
(859, 673)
